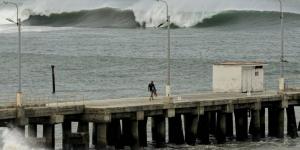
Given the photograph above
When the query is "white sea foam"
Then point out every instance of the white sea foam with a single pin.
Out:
(13, 140)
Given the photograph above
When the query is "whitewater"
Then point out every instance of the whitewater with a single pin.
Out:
(185, 13)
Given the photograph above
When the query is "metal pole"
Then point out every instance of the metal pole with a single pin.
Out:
(168, 85)
(282, 85)
(282, 40)
(19, 54)
(53, 79)
(18, 23)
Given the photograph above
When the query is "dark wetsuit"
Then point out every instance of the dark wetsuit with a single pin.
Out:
(152, 89)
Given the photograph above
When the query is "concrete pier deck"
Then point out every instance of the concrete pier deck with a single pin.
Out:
(215, 108)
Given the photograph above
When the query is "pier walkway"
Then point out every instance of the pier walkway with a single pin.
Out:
(190, 118)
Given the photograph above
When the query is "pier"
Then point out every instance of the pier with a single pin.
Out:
(189, 119)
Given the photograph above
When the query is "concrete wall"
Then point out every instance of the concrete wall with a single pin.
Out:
(227, 78)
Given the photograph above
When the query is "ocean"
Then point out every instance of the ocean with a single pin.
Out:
(104, 53)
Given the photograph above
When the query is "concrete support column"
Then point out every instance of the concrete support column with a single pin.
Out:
(159, 131)
(291, 122)
(114, 134)
(143, 133)
(212, 122)
(175, 130)
(94, 134)
(262, 123)
(134, 135)
(241, 124)
(48, 133)
(32, 130)
(255, 128)
(66, 130)
(280, 122)
(203, 128)
(272, 125)
(126, 132)
(83, 127)
(191, 125)
(221, 127)
(229, 125)
(21, 129)
(101, 136)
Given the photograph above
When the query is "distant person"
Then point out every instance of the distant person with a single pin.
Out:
(152, 90)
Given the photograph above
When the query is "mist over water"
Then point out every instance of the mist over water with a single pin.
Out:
(12, 139)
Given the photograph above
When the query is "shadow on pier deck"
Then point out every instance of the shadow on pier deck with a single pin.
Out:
(189, 119)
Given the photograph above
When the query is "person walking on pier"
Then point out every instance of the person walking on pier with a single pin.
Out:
(152, 90)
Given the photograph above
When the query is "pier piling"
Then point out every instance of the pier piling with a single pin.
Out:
(280, 123)
(229, 125)
(262, 123)
(143, 132)
(255, 128)
(32, 130)
(66, 132)
(203, 126)
(114, 134)
(221, 127)
(83, 129)
(134, 135)
(48, 133)
(272, 125)
(291, 122)
(241, 123)
(101, 136)
(159, 131)
(212, 122)
(190, 124)
(175, 130)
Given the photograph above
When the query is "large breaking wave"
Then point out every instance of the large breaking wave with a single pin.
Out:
(98, 18)
(248, 18)
(115, 18)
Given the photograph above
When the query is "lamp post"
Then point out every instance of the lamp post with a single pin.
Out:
(282, 61)
(18, 23)
(168, 85)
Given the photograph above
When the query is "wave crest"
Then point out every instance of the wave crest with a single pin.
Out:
(98, 18)
(115, 18)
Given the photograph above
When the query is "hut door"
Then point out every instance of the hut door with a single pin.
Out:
(247, 79)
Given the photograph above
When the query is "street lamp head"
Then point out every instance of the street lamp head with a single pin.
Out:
(5, 2)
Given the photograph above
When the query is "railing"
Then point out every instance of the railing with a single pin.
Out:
(36, 101)
(293, 84)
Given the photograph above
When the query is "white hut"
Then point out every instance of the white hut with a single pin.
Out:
(238, 76)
